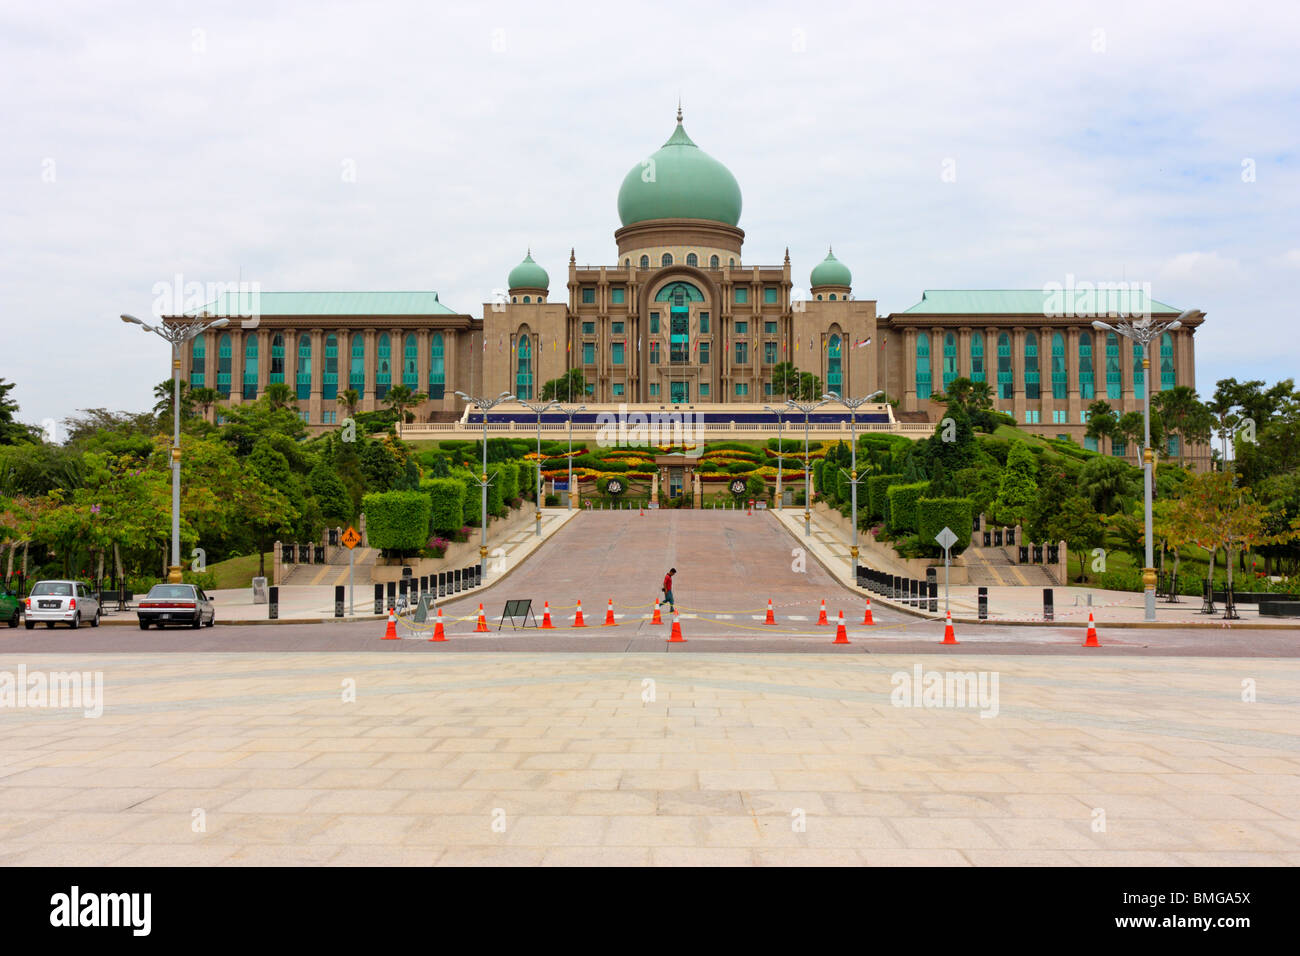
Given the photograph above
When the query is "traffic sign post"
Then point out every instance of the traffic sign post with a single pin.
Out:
(351, 539)
(945, 539)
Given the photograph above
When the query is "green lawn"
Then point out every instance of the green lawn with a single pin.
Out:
(238, 572)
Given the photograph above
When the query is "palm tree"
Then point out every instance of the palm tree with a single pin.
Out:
(350, 399)
(1222, 408)
(204, 398)
(163, 392)
(279, 395)
(400, 398)
(1103, 423)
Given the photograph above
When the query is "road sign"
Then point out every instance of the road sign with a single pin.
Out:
(350, 538)
(945, 538)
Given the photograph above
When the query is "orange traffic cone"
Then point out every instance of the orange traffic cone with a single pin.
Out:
(948, 636)
(771, 616)
(841, 635)
(438, 634)
(609, 615)
(577, 618)
(821, 617)
(1091, 640)
(642, 508)
(481, 627)
(656, 619)
(546, 617)
(750, 508)
(867, 618)
(676, 636)
(391, 633)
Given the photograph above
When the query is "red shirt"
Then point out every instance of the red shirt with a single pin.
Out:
(668, 582)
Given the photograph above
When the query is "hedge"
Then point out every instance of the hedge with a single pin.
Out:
(877, 485)
(447, 503)
(818, 469)
(902, 505)
(397, 520)
(934, 514)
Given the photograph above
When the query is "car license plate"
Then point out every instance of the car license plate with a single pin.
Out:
(165, 617)
(48, 604)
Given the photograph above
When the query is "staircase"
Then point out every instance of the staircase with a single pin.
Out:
(336, 571)
(994, 567)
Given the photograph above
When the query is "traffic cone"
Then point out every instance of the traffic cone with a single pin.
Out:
(749, 512)
(642, 509)
(577, 618)
(481, 627)
(948, 636)
(1091, 640)
(609, 615)
(656, 619)
(821, 617)
(867, 619)
(676, 636)
(438, 634)
(841, 635)
(546, 617)
(391, 633)
(771, 616)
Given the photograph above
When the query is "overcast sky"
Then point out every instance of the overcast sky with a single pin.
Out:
(314, 146)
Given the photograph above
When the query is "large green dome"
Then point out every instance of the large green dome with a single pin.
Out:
(684, 182)
(830, 271)
(528, 275)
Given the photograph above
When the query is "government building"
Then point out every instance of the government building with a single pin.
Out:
(680, 318)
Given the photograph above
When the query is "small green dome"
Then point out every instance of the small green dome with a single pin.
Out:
(528, 275)
(680, 181)
(830, 271)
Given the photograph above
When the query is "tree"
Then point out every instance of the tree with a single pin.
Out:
(1219, 515)
(810, 387)
(971, 397)
(164, 393)
(1222, 408)
(204, 398)
(785, 380)
(1078, 526)
(13, 432)
(565, 387)
(350, 399)
(401, 399)
(1182, 413)
(1019, 488)
(1102, 423)
(279, 396)
(330, 493)
(1108, 484)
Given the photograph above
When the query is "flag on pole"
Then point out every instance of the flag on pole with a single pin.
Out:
(866, 341)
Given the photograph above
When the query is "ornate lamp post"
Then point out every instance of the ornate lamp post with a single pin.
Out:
(539, 408)
(807, 408)
(177, 333)
(484, 405)
(569, 413)
(853, 404)
(780, 414)
(1144, 331)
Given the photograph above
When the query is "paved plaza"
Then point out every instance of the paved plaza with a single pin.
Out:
(210, 759)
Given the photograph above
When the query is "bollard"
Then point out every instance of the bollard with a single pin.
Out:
(931, 582)
(273, 603)
(934, 595)
(392, 594)
(402, 587)
(1047, 604)
(379, 599)
(984, 603)
(338, 600)
(424, 584)
(478, 575)
(442, 584)
(455, 581)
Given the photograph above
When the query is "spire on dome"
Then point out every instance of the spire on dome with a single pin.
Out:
(679, 109)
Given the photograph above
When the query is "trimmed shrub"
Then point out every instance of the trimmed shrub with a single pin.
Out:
(447, 503)
(934, 514)
(397, 520)
(877, 485)
(819, 469)
(756, 488)
(902, 505)
(507, 473)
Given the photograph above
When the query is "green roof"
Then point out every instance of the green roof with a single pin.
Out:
(528, 275)
(680, 181)
(326, 303)
(1035, 302)
(830, 271)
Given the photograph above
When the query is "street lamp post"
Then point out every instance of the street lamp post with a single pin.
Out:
(484, 405)
(807, 408)
(1144, 331)
(569, 413)
(780, 414)
(539, 408)
(177, 333)
(853, 404)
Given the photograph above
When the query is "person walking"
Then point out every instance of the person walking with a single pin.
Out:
(668, 589)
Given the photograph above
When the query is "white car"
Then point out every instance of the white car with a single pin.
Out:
(61, 602)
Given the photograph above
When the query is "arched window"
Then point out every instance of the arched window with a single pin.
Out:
(329, 389)
(357, 372)
(731, 263)
(250, 366)
(524, 368)
(276, 376)
(304, 367)
(1087, 384)
(1167, 377)
(645, 262)
(1138, 377)
(949, 359)
(627, 263)
(1060, 375)
(713, 262)
(692, 259)
(923, 378)
(383, 366)
(528, 298)
(198, 361)
(1114, 379)
(437, 367)
(977, 370)
(667, 259)
(1032, 391)
(835, 364)
(223, 365)
(410, 358)
(832, 296)
(1006, 379)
